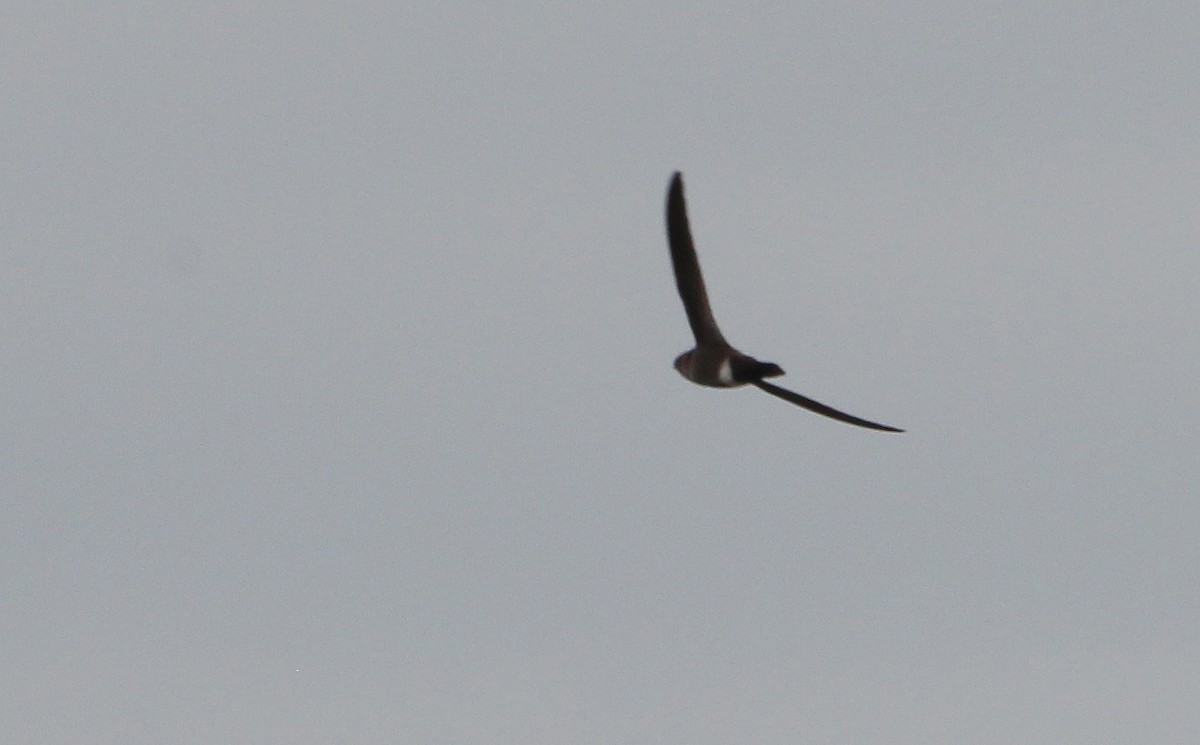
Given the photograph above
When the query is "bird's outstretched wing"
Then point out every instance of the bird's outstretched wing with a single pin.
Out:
(687, 268)
(820, 408)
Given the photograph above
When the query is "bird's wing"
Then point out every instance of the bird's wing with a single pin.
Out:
(820, 408)
(687, 268)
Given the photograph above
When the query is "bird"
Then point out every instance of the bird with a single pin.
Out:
(713, 361)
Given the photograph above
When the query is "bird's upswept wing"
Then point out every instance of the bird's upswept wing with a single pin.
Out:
(687, 268)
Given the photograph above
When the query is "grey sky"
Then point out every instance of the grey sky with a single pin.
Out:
(338, 399)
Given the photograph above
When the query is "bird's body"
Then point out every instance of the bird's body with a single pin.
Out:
(723, 367)
(713, 361)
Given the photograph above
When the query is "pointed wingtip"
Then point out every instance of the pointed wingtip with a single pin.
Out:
(675, 197)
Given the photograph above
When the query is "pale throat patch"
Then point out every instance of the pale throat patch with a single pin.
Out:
(725, 372)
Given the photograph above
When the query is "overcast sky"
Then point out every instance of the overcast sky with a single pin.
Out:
(338, 402)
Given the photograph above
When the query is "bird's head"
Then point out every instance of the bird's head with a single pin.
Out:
(683, 363)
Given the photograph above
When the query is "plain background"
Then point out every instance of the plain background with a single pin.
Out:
(337, 392)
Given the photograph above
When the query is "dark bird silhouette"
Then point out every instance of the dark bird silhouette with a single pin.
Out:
(713, 361)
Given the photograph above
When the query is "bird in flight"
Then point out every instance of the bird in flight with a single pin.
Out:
(713, 361)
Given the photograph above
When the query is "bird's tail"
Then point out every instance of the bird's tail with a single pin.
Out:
(767, 370)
